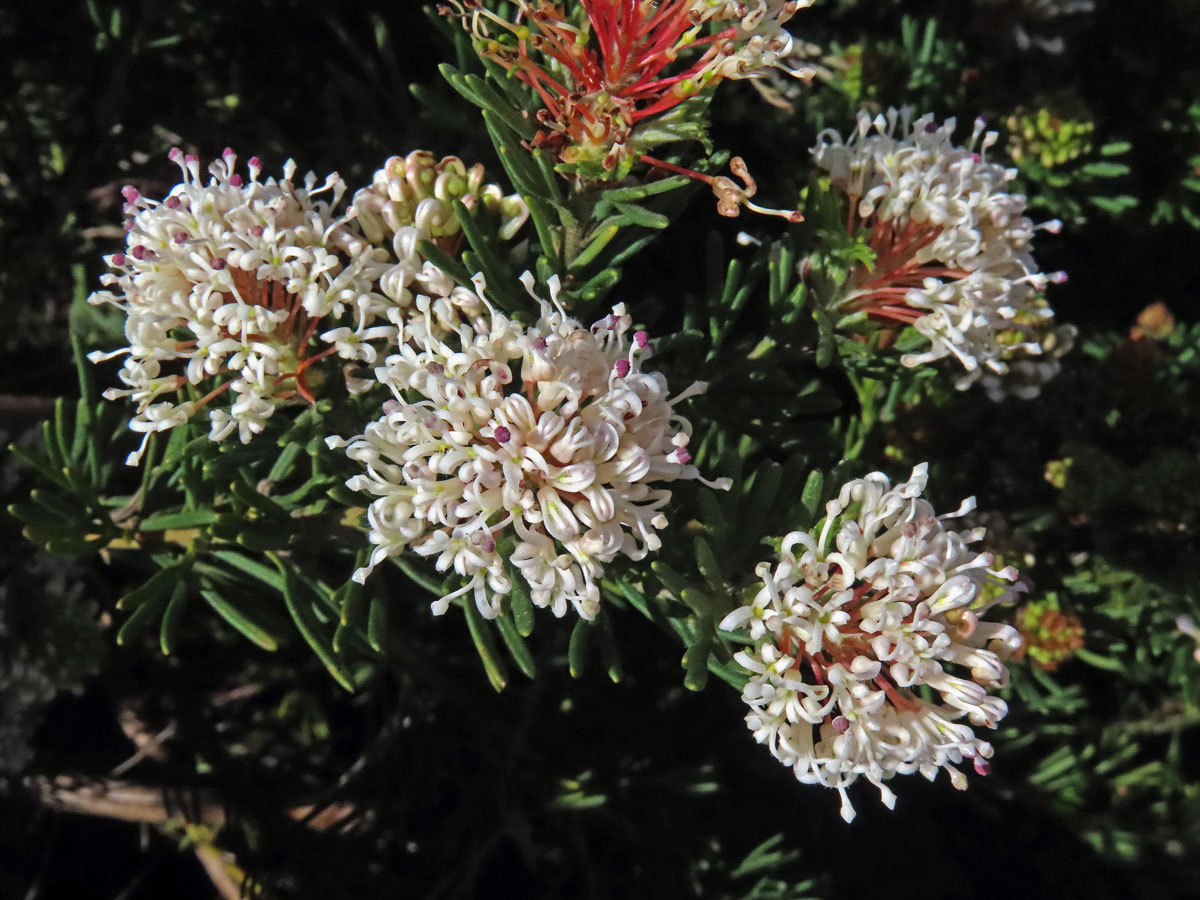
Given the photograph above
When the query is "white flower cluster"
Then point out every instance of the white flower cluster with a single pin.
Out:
(252, 282)
(763, 42)
(952, 245)
(233, 279)
(853, 621)
(410, 200)
(543, 445)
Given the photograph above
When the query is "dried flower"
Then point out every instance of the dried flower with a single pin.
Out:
(853, 620)
(952, 249)
(545, 446)
(232, 280)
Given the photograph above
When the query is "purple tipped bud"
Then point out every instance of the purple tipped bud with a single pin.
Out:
(175, 154)
(622, 368)
(840, 724)
(190, 158)
(435, 368)
(682, 456)
(487, 542)
(227, 152)
(129, 224)
(235, 180)
(975, 157)
(539, 343)
(392, 406)
(180, 237)
(172, 202)
(982, 766)
(1054, 226)
(641, 339)
(130, 193)
(1058, 277)
(139, 252)
(219, 263)
(254, 162)
(931, 127)
(118, 259)
(502, 434)
(257, 230)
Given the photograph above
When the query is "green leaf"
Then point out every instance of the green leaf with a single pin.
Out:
(601, 236)
(642, 191)
(516, 645)
(1105, 169)
(639, 215)
(810, 499)
(308, 623)
(485, 645)
(142, 616)
(609, 654)
(577, 648)
(156, 586)
(244, 564)
(191, 518)
(695, 661)
(709, 568)
(479, 92)
(377, 623)
(168, 631)
(519, 600)
(244, 618)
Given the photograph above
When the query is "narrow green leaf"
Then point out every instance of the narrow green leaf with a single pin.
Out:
(250, 567)
(577, 648)
(516, 645)
(810, 499)
(485, 645)
(695, 662)
(285, 463)
(168, 631)
(240, 616)
(308, 624)
(520, 601)
(609, 654)
(600, 238)
(1105, 169)
(377, 623)
(191, 518)
(36, 514)
(639, 215)
(709, 568)
(550, 178)
(256, 500)
(157, 585)
(637, 192)
(141, 618)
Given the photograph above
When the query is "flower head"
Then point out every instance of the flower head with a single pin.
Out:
(952, 249)
(604, 70)
(546, 446)
(410, 200)
(1049, 637)
(230, 281)
(853, 620)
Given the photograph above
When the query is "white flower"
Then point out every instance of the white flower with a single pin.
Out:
(952, 246)
(849, 622)
(762, 41)
(411, 199)
(230, 280)
(548, 445)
